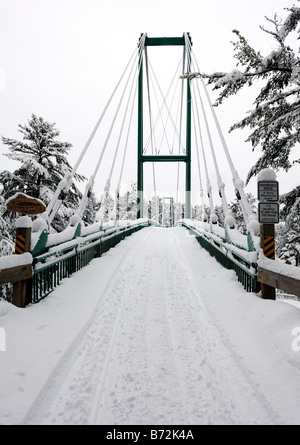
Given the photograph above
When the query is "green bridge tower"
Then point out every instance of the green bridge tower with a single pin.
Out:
(164, 41)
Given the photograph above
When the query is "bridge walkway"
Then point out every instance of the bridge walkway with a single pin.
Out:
(154, 350)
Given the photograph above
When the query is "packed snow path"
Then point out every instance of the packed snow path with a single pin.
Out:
(154, 351)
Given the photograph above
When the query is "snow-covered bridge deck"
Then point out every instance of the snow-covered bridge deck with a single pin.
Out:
(153, 332)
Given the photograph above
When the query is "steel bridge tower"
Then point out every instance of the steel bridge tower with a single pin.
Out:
(164, 41)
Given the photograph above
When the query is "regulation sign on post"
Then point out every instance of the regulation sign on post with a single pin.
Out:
(268, 212)
(268, 215)
(268, 191)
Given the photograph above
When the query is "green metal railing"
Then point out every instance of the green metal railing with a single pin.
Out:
(51, 267)
(234, 259)
(52, 263)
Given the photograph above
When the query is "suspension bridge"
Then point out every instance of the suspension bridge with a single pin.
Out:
(153, 278)
(172, 127)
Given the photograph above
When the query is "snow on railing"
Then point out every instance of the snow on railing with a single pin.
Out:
(59, 261)
(273, 273)
(42, 242)
(237, 239)
(278, 275)
(231, 256)
(15, 268)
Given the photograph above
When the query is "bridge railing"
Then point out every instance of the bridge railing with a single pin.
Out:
(279, 275)
(231, 256)
(14, 268)
(59, 261)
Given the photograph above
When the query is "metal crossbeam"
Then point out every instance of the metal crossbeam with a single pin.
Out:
(164, 158)
(164, 41)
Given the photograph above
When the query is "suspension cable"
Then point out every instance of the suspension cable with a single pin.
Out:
(126, 143)
(208, 184)
(198, 159)
(149, 103)
(229, 220)
(108, 182)
(159, 117)
(90, 183)
(127, 139)
(65, 183)
(168, 108)
(176, 120)
(150, 119)
(164, 104)
(237, 182)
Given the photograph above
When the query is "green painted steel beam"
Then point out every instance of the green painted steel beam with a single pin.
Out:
(164, 158)
(140, 172)
(164, 41)
(188, 184)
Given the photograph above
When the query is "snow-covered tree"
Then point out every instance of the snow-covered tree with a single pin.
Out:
(275, 120)
(290, 212)
(123, 199)
(44, 163)
(155, 205)
(287, 244)
(110, 208)
(93, 206)
(219, 212)
(6, 233)
(237, 213)
(197, 212)
(128, 203)
(6, 248)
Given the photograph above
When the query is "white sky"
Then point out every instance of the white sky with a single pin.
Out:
(61, 59)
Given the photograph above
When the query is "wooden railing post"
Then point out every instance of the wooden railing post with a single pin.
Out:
(22, 289)
(267, 243)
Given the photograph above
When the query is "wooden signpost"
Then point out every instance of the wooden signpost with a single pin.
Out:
(26, 205)
(268, 215)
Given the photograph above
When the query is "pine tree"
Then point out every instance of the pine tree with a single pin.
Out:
(275, 119)
(128, 203)
(156, 208)
(43, 164)
(91, 210)
(6, 233)
(6, 248)
(123, 200)
(237, 213)
(197, 212)
(291, 211)
(220, 215)
(287, 244)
